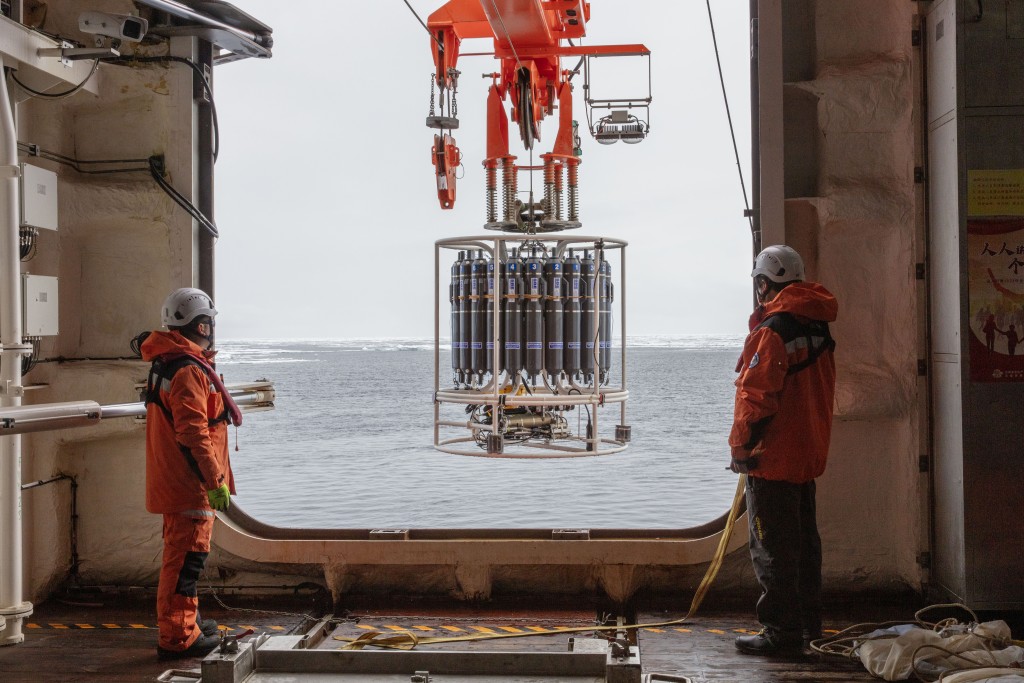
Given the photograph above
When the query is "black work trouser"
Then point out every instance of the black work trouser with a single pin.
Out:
(786, 552)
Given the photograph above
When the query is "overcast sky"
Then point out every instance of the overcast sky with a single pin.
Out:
(326, 201)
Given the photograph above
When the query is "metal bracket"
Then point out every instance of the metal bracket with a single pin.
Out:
(495, 443)
(623, 664)
(317, 634)
(443, 122)
(9, 388)
(389, 534)
(570, 534)
(57, 52)
(68, 54)
(178, 675)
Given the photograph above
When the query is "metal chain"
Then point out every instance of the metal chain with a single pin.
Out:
(432, 82)
(455, 89)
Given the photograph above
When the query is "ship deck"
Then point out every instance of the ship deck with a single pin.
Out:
(114, 639)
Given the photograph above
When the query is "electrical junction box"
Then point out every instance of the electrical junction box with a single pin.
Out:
(38, 197)
(39, 305)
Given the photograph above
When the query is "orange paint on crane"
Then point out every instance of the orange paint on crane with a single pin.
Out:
(530, 38)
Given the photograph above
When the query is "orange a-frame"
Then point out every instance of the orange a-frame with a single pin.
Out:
(530, 38)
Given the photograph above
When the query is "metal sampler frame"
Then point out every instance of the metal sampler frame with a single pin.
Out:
(491, 394)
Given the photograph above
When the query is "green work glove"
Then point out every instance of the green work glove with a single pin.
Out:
(220, 498)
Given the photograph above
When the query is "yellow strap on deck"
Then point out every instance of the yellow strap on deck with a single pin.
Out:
(409, 640)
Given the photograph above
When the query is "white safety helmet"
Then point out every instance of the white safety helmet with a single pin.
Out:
(185, 305)
(779, 263)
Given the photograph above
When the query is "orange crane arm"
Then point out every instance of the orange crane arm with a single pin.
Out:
(517, 26)
(530, 37)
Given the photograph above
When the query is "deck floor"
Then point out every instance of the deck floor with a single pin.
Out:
(115, 640)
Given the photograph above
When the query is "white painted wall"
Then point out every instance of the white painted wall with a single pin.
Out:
(861, 234)
(121, 246)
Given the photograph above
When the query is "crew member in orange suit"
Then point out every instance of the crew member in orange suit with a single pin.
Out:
(188, 473)
(780, 439)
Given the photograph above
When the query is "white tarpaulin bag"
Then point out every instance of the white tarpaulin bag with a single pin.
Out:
(892, 653)
(987, 675)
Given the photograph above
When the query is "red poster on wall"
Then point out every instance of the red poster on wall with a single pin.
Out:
(996, 295)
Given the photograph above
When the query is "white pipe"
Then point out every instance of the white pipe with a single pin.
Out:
(496, 312)
(247, 397)
(49, 416)
(11, 589)
(437, 340)
(465, 425)
(622, 323)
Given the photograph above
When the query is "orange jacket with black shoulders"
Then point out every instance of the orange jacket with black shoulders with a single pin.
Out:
(786, 385)
(187, 450)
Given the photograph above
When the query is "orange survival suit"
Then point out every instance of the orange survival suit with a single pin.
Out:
(785, 389)
(186, 455)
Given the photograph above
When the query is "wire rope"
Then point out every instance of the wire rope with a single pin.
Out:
(56, 96)
(575, 69)
(846, 643)
(207, 87)
(35, 151)
(728, 115)
(508, 36)
(151, 165)
(182, 201)
(526, 122)
(425, 27)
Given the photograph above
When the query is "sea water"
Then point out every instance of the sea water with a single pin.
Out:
(349, 442)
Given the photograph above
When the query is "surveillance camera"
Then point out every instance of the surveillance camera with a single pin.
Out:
(117, 26)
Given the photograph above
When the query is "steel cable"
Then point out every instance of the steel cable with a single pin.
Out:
(728, 115)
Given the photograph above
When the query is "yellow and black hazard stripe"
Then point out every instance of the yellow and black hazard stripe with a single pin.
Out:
(63, 626)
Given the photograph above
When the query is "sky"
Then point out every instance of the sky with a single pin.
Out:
(325, 195)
